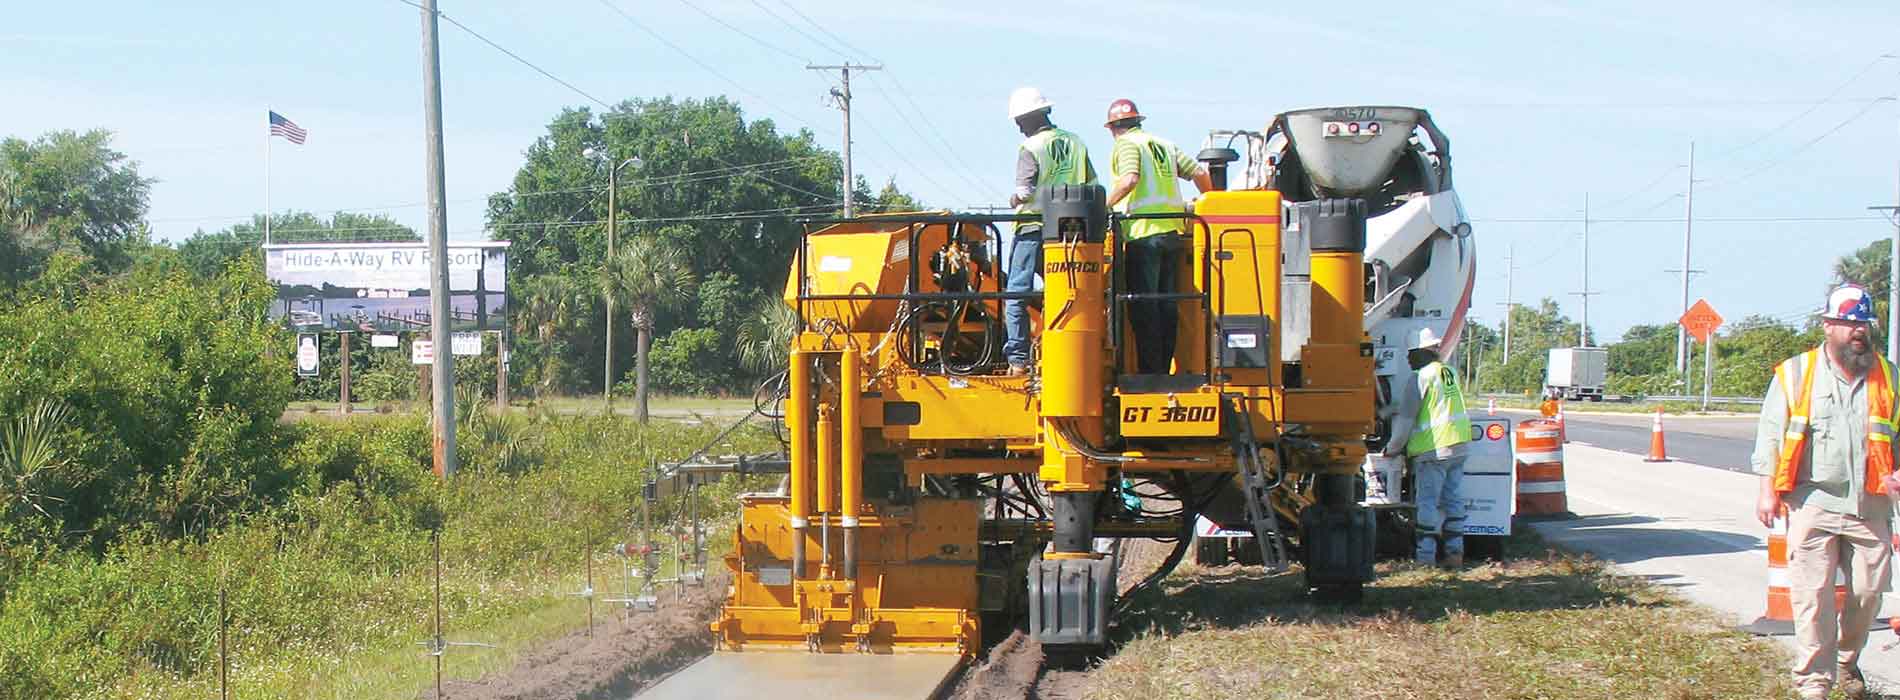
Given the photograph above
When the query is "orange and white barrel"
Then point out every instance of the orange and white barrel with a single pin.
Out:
(1778, 617)
(1540, 469)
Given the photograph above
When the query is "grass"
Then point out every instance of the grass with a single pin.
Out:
(1543, 624)
(330, 593)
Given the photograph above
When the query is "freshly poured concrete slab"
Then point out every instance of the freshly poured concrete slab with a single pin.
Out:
(797, 675)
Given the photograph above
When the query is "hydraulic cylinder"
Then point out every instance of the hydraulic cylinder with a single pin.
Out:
(851, 454)
(798, 422)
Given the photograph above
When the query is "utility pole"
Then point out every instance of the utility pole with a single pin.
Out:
(1893, 274)
(843, 99)
(1688, 226)
(443, 366)
(1583, 328)
(1510, 277)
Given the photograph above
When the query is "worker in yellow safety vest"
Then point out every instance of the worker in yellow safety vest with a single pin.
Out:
(1148, 171)
(1825, 451)
(1047, 156)
(1433, 430)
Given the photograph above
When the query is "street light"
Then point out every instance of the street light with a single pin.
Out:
(613, 215)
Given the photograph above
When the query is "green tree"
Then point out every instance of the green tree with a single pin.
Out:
(67, 191)
(1535, 329)
(765, 337)
(545, 305)
(647, 275)
(206, 254)
(724, 190)
(891, 199)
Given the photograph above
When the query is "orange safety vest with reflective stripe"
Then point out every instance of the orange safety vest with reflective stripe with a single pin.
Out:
(1796, 377)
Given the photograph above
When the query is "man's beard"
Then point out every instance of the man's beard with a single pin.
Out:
(1855, 361)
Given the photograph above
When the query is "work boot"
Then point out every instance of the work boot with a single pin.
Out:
(1016, 370)
(1452, 560)
(1853, 686)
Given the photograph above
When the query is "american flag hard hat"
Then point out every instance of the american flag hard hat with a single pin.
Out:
(1849, 302)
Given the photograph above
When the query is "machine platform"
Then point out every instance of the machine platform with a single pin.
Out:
(797, 675)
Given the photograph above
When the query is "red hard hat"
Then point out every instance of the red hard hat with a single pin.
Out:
(1122, 109)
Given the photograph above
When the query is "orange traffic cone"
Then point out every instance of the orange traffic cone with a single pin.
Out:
(1657, 453)
(1492, 408)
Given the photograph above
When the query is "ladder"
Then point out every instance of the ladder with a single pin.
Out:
(1257, 491)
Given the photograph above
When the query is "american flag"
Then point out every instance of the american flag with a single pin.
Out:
(279, 126)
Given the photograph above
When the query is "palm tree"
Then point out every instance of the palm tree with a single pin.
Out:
(1866, 267)
(29, 450)
(548, 302)
(765, 337)
(647, 276)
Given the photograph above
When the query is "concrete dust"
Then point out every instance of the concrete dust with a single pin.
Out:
(620, 659)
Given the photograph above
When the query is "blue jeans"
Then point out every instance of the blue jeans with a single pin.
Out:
(1438, 487)
(1025, 260)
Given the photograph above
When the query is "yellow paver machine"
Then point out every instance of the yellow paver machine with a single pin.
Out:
(931, 495)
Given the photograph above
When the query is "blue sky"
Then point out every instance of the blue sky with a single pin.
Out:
(1543, 102)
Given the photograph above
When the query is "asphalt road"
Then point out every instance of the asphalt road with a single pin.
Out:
(1723, 442)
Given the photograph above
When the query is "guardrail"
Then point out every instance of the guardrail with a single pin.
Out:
(1620, 398)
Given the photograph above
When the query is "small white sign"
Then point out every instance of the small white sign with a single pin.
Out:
(307, 356)
(1243, 340)
(465, 343)
(1488, 489)
(384, 340)
(834, 263)
(422, 352)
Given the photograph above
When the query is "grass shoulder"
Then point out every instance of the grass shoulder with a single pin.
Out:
(1543, 623)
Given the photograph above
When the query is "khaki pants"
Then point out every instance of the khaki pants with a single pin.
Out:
(1819, 542)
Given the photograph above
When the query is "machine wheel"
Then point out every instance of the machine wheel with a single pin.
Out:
(1210, 551)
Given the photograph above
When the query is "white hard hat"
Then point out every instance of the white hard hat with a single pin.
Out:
(1428, 340)
(1024, 100)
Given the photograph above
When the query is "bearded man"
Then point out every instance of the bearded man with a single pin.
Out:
(1825, 452)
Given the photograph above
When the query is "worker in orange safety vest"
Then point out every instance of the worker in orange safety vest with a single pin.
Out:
(1825, 451)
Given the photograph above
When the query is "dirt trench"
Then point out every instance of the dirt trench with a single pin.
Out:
(620, 659)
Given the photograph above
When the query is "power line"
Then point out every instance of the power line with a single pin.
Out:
(1805, 146)
(978, 188)
(777, 212)
(683, 178)
(950, 152)
(788, 23)
(741, 32)
(696, 61)
(510, 54)
(841, 42)
(1810, 110)
(1645, 188)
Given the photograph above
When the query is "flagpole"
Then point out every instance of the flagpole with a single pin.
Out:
(267, 181)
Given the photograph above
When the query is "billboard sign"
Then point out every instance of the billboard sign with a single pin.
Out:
(384, 287)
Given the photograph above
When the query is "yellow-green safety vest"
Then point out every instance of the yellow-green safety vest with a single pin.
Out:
(1061, 159)
(1441, 415)
(1157, 192)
